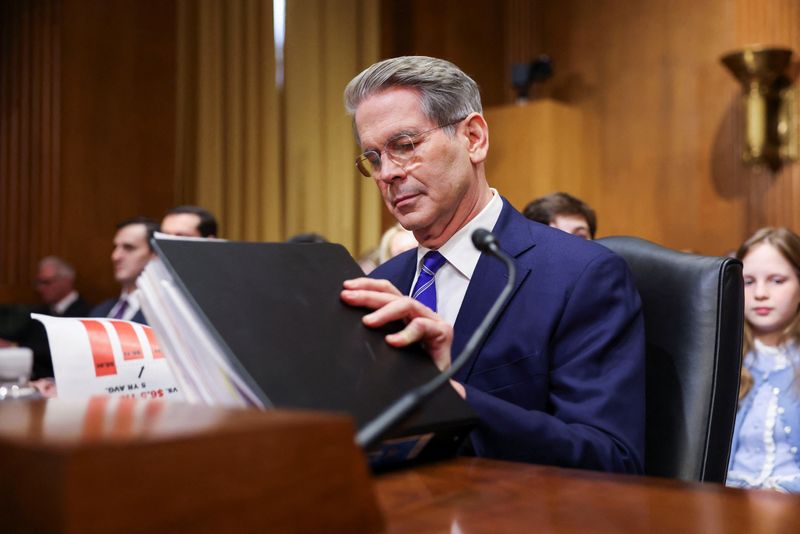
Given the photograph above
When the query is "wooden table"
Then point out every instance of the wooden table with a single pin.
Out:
(470, 495)
(192, 468)
(124, 465)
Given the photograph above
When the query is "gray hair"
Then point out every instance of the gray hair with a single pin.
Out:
(446, 93)
(62, 268)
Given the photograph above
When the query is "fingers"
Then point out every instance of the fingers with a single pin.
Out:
(371, 284)
(398, 309)
(369, 293)
(367, 299)
(433, 332)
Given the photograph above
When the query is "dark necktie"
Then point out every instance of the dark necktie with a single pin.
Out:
(121, 309)
(425, 289)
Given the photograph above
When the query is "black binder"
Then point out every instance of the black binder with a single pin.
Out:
(275, 310)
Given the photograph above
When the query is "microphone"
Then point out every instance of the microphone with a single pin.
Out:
(485, 241)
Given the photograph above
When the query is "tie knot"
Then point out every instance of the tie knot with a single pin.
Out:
(432, 261)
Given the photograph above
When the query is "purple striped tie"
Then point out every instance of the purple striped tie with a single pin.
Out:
(425, 290)
(121, 309)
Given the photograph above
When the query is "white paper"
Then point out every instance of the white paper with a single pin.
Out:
(97, 356)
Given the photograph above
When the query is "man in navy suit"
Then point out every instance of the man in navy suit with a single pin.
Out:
(560, 377)
(129, 257)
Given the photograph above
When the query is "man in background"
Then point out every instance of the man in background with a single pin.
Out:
(565, 212)
(189, 221)
(55, 283)
(129, 257)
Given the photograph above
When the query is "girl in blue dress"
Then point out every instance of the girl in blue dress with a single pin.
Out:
(766, 437)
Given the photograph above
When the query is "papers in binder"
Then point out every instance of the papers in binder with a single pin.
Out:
(196, 357)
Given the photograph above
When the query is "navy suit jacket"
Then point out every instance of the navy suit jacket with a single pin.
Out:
(103, 309)
(560, 377)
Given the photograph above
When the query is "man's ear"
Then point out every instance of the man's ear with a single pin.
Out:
(477, 132)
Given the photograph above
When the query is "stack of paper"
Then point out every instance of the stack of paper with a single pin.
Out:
(196, 357)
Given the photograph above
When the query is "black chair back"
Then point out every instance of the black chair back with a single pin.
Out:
(694, 317)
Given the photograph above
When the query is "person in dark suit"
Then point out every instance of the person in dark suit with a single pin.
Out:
(565, 212)
(129, 257)
(189, 221)
(560, 377)
(55, 284)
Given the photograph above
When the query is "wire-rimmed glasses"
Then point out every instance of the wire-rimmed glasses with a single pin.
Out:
(399, 149)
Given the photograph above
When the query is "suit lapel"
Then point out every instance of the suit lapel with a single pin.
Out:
(400, 271)
(513, 233)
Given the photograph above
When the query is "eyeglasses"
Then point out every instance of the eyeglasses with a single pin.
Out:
(399, 149)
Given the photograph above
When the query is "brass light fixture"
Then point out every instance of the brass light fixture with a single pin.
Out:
(769, 104)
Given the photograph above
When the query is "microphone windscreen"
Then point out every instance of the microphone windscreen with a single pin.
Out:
(483, 239)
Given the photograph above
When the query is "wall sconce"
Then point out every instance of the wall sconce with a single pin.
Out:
(769, 104)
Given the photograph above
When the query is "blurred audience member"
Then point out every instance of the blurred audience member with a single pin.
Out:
(369, 260)
(565, 212)
(189, 221)
(766, 437)
(129, 257)
(55, 283)
(394, 241)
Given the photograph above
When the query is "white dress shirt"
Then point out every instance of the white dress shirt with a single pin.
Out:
(61, 306)
(452, 278)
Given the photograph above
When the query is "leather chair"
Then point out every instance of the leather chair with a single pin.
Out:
(694, 315)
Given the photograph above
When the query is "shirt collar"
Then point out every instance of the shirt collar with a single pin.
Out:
(459, 250)
(61, 306)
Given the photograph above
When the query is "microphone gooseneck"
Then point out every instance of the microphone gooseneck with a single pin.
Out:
(486, 242)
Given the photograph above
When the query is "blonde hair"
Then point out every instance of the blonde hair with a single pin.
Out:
(787, 243)
(385, 246)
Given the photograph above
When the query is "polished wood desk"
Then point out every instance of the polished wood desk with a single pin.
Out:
(148, 466)
(124, 465)
(471, 495)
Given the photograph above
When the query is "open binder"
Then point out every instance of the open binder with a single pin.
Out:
(262, 324)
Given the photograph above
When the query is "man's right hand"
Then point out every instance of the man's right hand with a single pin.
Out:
(422, 323)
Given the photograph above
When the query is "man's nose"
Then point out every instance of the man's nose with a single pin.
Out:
(390, 170)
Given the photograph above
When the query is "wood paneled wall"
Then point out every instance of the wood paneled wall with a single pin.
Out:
(661, 118)
(771, 199)
(88, 113)
(29, 141)
(470, 33)
(117, 126)
(87, 98)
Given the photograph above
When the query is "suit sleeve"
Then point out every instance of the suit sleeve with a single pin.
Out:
(595, 385)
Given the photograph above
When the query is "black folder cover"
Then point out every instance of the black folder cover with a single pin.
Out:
(275, 308)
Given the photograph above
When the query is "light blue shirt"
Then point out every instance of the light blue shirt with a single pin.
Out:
(764, 454)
